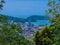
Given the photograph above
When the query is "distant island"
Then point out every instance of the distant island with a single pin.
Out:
(32, 18)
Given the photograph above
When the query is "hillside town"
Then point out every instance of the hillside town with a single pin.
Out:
(30, 29)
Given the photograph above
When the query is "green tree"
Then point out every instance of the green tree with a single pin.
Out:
(37, 38)
(53, 14)
(51, 35)
(10, 33)
(1, 3)
(44, 37)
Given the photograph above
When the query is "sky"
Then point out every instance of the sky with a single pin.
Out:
(24, 8)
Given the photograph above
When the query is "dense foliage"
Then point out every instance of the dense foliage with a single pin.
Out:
(45, 36)
(10, 33)
(50, 35)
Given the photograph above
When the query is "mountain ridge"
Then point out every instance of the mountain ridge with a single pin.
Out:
(32, 18)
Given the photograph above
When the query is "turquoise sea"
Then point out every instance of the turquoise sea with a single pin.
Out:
(41, 22)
